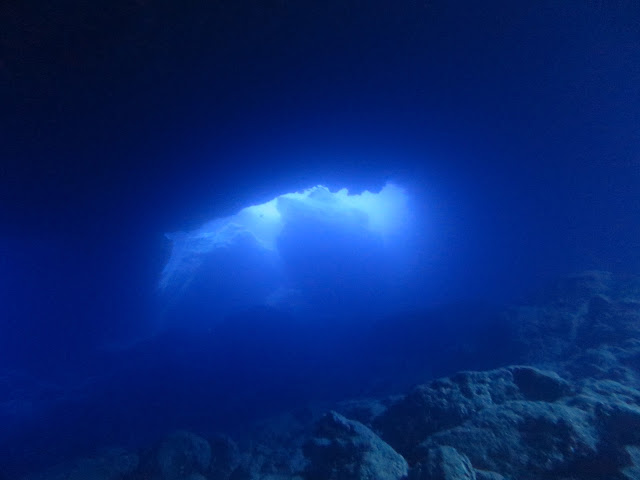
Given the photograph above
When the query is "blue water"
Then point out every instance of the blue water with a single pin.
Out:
(513, 131)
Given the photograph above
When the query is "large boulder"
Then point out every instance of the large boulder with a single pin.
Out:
(443, 463)
(344, 449)
(273, 448)
(520, 422)
(522, 439)
(448, 402)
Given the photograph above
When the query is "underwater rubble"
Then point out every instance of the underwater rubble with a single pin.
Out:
(569, 410)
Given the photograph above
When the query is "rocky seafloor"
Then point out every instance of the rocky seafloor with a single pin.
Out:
(568, 410)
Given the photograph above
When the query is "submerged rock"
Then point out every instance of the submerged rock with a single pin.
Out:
(487, 475)
(539, 385)
(632, 471)
(443, 463)
(522, 439)
(182, 454)
(448, 402)
(225, 457)
(344, 449)
(519, 421)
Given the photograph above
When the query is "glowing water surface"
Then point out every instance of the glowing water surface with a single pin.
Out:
(384, 213)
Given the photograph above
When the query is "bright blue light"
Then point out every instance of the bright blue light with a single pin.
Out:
(316, 252)
(384, 214)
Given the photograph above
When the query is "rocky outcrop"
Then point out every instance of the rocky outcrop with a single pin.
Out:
(449, 402)
(443, 463)
(344, 449)
(519, 422)
(532, 437)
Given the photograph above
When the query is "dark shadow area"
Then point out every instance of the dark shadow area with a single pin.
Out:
(248, 367)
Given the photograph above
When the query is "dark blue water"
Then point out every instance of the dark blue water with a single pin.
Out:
(512, 128)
